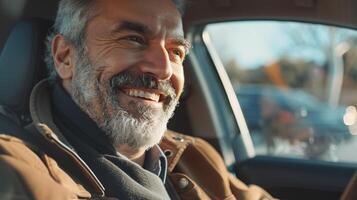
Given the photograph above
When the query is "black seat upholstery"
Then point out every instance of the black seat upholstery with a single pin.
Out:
(22, 66)
(10, 128)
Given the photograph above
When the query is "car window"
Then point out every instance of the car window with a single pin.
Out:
(296, 84)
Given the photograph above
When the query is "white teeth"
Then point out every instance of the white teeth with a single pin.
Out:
(143, 94)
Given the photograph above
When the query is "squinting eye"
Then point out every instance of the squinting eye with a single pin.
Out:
(136, 39)
(177, 52)
(178, 55)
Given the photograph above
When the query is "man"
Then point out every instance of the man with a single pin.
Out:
(97, 122)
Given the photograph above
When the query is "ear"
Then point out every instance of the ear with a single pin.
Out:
(63, 57)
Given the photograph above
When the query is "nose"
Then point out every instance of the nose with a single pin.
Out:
(157, 62)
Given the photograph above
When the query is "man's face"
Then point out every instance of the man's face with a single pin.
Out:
(131, 75)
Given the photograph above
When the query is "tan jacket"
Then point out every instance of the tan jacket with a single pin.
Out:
(197, 164)
(195, 168)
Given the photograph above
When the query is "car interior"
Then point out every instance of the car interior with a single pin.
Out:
(209, 108)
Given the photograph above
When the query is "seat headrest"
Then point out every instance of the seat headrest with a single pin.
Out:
(22, 63)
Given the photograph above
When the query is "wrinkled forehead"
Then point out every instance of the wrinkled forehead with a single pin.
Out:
(155, 14)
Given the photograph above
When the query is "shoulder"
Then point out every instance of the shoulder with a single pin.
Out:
(14, 150)
(13, 146)
(200, 163)
(180, 147)
(174, 145)
(35, 172)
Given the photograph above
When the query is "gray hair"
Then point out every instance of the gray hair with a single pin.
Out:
(71, 22)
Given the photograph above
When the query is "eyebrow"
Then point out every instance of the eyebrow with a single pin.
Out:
(181, 42)
(145, 30)
(132, 26)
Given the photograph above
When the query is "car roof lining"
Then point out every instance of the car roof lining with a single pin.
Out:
(341, 12)
(323, 11)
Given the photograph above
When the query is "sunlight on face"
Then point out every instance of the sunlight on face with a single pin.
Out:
(131, 75)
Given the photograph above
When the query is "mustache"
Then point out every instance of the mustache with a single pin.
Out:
(146, 81)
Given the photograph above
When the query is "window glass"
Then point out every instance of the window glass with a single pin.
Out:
(296, 84)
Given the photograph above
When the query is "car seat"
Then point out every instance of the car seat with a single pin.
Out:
(21, 67)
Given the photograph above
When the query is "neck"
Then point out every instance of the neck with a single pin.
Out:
(135, 155)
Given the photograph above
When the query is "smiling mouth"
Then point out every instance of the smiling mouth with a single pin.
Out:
(149, 95)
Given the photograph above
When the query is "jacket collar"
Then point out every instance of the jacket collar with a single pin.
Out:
(41, 113)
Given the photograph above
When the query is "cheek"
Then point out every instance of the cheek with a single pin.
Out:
(178, 80)
(115, 62)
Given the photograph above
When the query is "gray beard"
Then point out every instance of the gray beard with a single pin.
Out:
(145, 132)
(121, 127)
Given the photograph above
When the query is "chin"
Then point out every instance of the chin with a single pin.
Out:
(142, 132)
